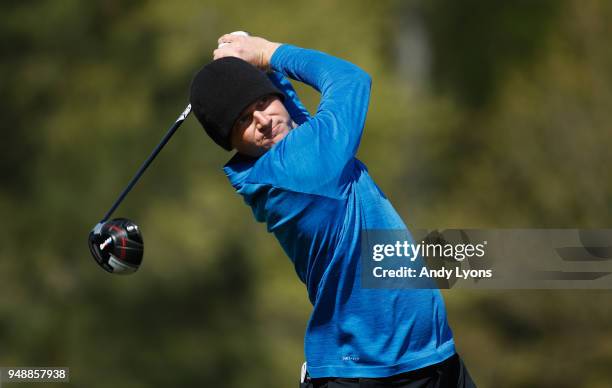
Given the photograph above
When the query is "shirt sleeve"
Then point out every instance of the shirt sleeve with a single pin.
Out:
(296, 109)
(314, 156)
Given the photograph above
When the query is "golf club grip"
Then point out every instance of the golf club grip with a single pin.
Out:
(147, 162)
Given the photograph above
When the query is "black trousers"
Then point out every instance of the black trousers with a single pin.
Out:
(450, 373)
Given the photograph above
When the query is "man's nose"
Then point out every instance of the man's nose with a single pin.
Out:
(262, 121)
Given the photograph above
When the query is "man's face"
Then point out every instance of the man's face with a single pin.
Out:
(261, 125)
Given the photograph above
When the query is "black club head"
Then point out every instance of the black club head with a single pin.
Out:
(117, 246)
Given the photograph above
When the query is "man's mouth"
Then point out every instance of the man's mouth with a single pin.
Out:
(273, 132)
(267, 140)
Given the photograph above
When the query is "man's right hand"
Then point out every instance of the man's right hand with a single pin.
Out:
(255, 50)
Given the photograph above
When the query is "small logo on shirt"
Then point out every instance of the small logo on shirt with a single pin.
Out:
(350, 358)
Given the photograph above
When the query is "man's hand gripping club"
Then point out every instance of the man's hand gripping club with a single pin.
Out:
(255, 50)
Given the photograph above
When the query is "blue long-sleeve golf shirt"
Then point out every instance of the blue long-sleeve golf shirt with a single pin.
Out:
(316, 198)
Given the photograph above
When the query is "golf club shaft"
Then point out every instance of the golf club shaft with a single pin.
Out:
(147, 162)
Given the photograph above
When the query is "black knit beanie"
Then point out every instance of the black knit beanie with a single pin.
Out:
(221, 90)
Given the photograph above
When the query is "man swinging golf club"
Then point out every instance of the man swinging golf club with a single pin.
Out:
(300, 176)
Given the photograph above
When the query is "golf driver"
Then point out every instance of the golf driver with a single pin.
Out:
(117, 245)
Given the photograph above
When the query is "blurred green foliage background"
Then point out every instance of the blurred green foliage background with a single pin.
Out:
(483, 114)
